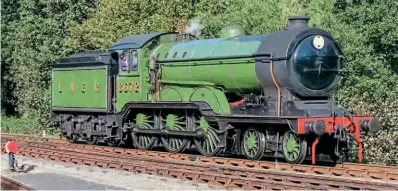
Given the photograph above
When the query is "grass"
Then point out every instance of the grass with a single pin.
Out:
(17, 125)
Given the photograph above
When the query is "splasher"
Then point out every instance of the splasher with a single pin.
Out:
(194, 28)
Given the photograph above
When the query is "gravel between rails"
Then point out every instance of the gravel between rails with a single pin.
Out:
(349, 170)
(52, 175)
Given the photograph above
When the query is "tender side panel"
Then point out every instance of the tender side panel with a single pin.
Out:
(80, 87)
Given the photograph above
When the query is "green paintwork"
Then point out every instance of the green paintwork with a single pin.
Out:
(186, 81)
(251, 140)
(204, 125)
(291, 147)
(176, 93)
(214, 97)
(174, 122)
(143, 141)
(141, 120)
(132, 76)
(77, 98)
(205, 76)
(235, 75)
(170, 94)
(211, 140)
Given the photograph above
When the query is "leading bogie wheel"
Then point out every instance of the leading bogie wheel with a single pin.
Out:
(253, 144)
(294, 147)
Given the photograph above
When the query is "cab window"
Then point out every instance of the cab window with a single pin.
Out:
(134, 60)
(128, 60)
(123, 61)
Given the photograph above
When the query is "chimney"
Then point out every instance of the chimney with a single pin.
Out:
(297, 22)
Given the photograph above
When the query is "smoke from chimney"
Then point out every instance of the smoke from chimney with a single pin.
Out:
(194, 28)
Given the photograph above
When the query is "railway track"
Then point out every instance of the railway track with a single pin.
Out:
(10, 184)
(231, 173)
(351, 170)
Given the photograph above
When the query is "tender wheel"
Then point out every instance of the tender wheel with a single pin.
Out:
(144, 141)
(92, 141)
(176, 121)
(253, 144)
(294, 147)
(72, 138)
(209, 144)
(112, 142)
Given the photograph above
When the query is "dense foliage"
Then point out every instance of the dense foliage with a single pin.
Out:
(36, 33)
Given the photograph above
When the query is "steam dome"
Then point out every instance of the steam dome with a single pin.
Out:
(232, 32)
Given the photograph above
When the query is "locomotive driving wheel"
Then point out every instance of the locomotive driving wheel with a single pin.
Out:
(253, 144)
(174, 121)
(294, 147)
(144, 120)
(209, 144)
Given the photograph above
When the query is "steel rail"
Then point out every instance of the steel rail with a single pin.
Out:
(10, 184)
(216, 174)
(350, 170)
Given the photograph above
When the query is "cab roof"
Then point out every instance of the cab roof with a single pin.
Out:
(135, 41)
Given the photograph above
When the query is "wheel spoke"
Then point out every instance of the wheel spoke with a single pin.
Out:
(208, 145)
(177, 143)
(291, 156)
(294, 147)
(212, 133)
(178, 127)
(144, 141)
(175, 121)
(296, 151)
(173, 144)
(212, 144)
(253, 144)
(295, 155)
(141, 140)
(147, 140)
(211, 139)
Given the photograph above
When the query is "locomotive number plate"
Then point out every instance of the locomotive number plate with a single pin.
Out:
(128, 87)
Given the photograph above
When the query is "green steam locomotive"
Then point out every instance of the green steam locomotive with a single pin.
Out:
(251, 95)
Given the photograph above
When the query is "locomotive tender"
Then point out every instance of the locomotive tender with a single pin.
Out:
(251, 95)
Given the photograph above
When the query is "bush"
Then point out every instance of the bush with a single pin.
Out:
(368, 35)
(17, 125)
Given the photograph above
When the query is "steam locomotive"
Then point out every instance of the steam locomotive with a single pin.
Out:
(247, 95)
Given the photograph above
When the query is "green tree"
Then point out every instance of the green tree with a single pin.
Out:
(108, 24)
(368, 33)
(38, 39)
(9, 18)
